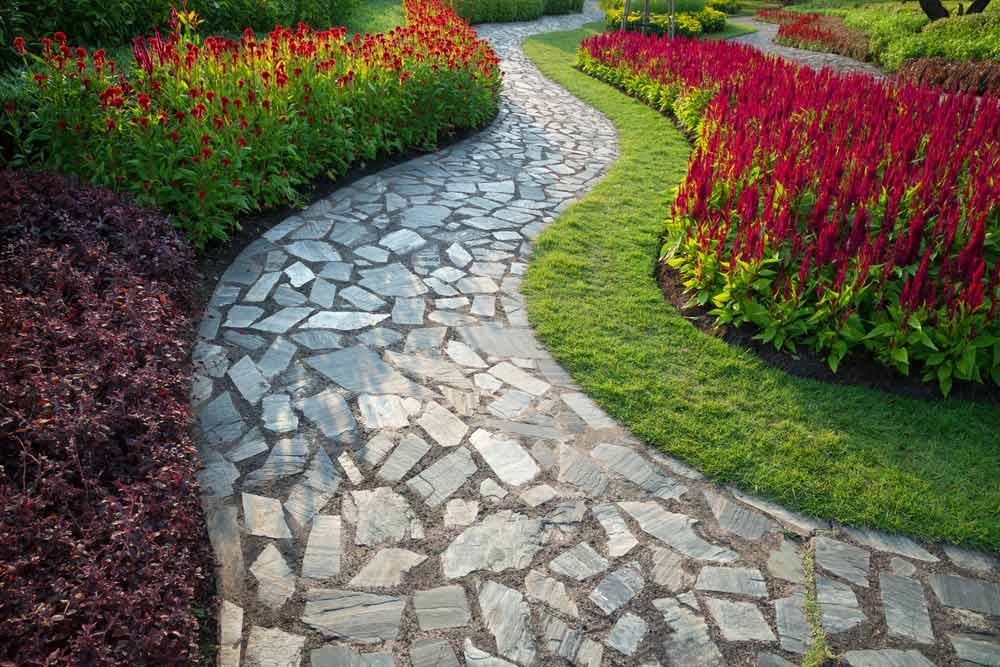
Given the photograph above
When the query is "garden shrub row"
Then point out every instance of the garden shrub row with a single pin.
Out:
(209, 129)
(103, 554)
(835, 213)
(978, 78)
(505, 11)
(689, 24)
(116, 23)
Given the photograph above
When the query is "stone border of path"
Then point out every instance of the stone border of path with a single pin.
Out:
(397, 472)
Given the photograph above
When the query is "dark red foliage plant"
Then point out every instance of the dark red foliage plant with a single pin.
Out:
(102, 549)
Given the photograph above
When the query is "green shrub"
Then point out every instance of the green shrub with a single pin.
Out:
(711, 20)
(117, 22)
(498, 11)
(725, 6)
(655, 6)
(563, 6)
(689, 24)
(965, 38)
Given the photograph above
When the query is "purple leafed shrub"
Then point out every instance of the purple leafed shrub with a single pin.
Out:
(101, 536)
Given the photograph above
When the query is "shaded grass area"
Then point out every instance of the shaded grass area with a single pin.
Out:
(862, 457)
(374, 16)
(731, 30)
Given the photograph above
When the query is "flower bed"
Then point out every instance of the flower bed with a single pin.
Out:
(689, 24)
(834, 213)
(817, 33)
(978, 78)
(103, 553)
(209, 129)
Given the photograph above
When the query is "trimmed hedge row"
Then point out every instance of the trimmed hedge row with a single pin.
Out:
(103, 552)
(506, 11)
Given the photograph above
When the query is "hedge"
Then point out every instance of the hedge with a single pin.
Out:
(104, 553)
(505, 11)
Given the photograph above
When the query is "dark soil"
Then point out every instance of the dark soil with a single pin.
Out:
(858, 368)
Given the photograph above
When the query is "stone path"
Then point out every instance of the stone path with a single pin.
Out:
(763, 39)
(396, 473)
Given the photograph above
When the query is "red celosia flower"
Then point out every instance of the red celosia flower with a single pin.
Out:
(19, 45)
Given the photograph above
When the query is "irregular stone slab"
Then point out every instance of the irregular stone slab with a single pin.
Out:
(240, 317)
(276, 358)
(350, 469)
(349, 233)
(408, 311)
(360, 617)
(429, 370)
(445, 428)
(275, 580)
(477, 658)
(581, 471)
(739, 621)
(260, 290)
(230, 634)
(838, 606)
(460, 512)
(362, 298)
(272, 647)
(551, 591)
(386, 569)
(511, 405)
(668, 570)
(458, 255)
(786, 563)
(843, 560)
(343, 656)
(313, 251)
(299, 274)
(378, 412)
(318, 339)
(277, 414)
(737, 519)
(283, 320)
(264, 516)
(432, 653)
(285, 295)
(896, 544)
(248, 380)
(323, 293)
(627, 463)
(372, 254)
(246, 341)
(800, 523)
(971, 560)
(288, 457)
(736, 580)
(976, 650)
(324, 548)
(491, 491)
(316, 488)
(887, 657)
(497, 341)
(383, 516)
(340, 271)
(617, 589)
(410, 450)
(442, 607)
(402, 241)
(558, 639)
(509, 460)
(376, 449)
(464, 355)
(538, 495)
(360, 370)
(690, 643)
(507, 617)
(425, 339)
(217, 477)
(627, 634)
(581, 562)
(677, 531)
(905, 608)
(220, 420)
(587, 410)
(424, 216)
(392, 280)
(225, 537)
(348, 320)
(590, 653)
(329, 412)
(477, 547)
(441, 479)
(902, 567)
(518, 379)
(250, 445)
(953, 591)
(793, 626)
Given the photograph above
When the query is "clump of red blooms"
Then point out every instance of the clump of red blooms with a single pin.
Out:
(833, 212)
(816, 32)
(207, 129)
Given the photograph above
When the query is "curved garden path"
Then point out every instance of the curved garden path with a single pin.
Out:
(763, 39)
(397, 473)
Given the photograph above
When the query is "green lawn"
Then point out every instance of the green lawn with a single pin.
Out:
(377, 16)
(855, 455)
(731, 30)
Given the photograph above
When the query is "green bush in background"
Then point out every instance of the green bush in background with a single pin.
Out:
(563, 6)
(504, 11)
(116, 22)
(689, 24)
(725, 6)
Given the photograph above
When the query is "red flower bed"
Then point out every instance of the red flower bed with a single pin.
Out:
(833, 212)
(208, 129)
(102, 550)
(976, 77)
(817, 33)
